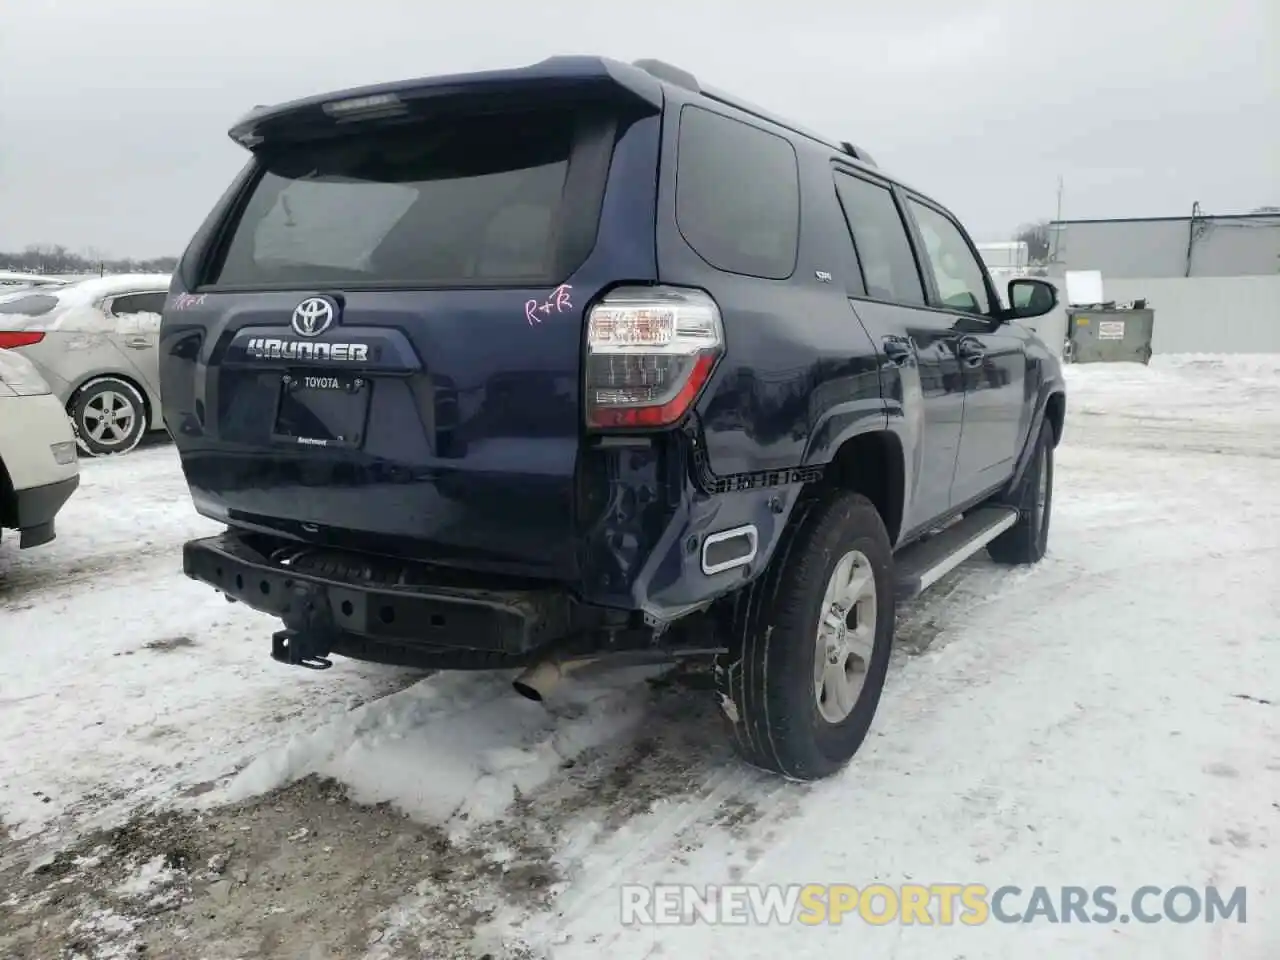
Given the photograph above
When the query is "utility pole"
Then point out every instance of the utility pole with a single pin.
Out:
(1057, 228)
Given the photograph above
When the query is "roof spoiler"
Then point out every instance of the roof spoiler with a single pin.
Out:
(669, 73)
(322, 114)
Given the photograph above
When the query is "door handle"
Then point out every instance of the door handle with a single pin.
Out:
(138, 343)
(971, 352)
(897, 350)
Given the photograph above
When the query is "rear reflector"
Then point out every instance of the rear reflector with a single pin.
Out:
(650, 351)
(64, 453)
(19, 338)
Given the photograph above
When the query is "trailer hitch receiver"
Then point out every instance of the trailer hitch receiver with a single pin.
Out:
(309, 630)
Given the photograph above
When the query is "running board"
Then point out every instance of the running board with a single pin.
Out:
(923, 564)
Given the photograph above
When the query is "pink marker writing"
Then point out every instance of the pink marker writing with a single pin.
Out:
(558, 302)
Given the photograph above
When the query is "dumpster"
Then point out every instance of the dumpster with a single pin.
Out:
(1109, 335)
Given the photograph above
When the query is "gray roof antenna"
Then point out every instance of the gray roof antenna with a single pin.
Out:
(669, 74)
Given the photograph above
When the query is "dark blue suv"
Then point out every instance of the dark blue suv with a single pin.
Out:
(584, 360)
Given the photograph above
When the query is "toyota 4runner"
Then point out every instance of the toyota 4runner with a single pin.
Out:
(586, 361)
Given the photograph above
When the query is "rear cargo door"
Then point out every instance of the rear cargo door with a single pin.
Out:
(394, 329)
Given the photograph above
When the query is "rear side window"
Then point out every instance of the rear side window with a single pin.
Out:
(880, 236)
(137, 303)
(737, 195)
(34, 305)
(461, 200)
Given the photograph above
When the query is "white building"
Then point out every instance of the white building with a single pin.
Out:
(1213, 281)
(1004, 254)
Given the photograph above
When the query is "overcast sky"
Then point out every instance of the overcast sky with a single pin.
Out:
(113, 113)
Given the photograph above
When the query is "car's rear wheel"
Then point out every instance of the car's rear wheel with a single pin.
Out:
(109, 416)
(812, 642)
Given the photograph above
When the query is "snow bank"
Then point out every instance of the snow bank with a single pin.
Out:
(1169, 368)
(455, 747)
(1206, 387)
(125, 683)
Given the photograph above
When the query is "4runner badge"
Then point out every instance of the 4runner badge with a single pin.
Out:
(273, 348)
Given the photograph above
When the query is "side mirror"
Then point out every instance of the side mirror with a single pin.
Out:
(1031, 298)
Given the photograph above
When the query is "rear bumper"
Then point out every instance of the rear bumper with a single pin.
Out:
(388, 605)
(35, 508)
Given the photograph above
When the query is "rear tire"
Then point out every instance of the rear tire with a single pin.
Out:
(805, 676)
(1028, 539)
(109, 416)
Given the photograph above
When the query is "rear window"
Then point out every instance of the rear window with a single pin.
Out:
(467, 200)
(35, 305)
(737, 195)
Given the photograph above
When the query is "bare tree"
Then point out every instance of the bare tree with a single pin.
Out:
(55, 258)
(1036, 237)
(96, 258)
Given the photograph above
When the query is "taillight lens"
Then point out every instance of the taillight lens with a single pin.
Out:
(19, 338)
(650, 351)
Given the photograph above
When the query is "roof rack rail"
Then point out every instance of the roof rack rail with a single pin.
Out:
(729, 100)
(857, 153)
(683, 78)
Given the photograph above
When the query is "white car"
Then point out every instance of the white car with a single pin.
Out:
(39, 468)
(96, 342)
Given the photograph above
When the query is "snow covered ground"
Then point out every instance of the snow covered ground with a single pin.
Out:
(1108, 717)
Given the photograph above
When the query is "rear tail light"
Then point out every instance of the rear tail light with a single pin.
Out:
(19, 338)
(650, 351)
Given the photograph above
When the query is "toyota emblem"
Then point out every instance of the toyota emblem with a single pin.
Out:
(313, 316)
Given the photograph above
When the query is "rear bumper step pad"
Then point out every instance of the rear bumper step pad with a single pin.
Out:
(443, 617)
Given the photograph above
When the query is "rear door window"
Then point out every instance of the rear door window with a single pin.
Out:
(460, 201)
(137, 303)
(880, 236)
(737, 195)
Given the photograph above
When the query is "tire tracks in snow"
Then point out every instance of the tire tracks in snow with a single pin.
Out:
(63, 581)
(22, 586)
(127, 515)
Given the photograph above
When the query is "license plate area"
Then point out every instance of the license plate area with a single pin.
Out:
(322, 409)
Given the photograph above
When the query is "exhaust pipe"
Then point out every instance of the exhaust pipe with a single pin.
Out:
(538, 681)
